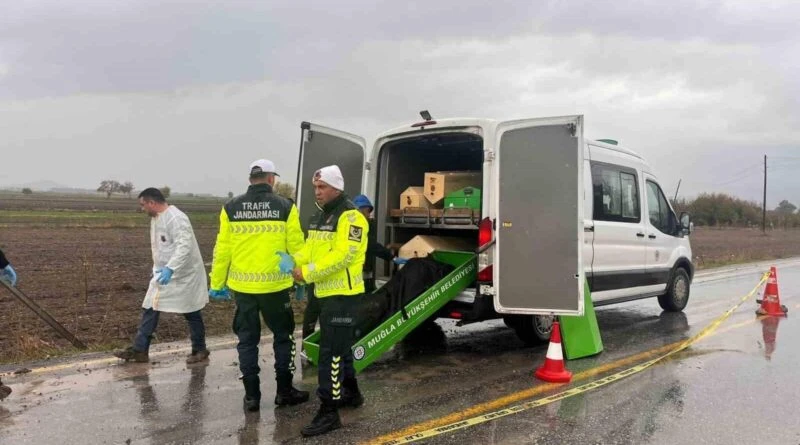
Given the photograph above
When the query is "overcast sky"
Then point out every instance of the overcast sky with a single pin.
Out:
(187, 94)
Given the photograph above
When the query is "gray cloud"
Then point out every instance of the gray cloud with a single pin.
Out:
(188, 95)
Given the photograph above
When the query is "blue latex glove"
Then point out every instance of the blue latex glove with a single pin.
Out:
(287, 262)
(164, 275)
(219, 294)
(399, 261)
(299, 292)
(10, 275)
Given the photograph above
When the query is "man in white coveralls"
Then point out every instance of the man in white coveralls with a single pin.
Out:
(179, 283)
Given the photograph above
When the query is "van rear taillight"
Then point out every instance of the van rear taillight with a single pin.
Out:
(484, 232)
(484, 238)
(486, 275)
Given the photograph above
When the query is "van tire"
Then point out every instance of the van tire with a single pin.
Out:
(533, 330)
(678, 289)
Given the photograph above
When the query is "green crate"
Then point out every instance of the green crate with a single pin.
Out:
(468, 197)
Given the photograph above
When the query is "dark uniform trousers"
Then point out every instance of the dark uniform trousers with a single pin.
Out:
(311, 313)
(276, 310)
(337, 325)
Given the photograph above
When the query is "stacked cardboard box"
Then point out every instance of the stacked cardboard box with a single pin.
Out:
(440, 184)
(422, 245)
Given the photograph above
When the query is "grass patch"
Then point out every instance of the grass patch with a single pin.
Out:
(67, 218)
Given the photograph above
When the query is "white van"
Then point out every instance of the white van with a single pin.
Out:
(557, 211)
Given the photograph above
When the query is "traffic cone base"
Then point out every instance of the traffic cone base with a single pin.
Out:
(771, 302)
(553, 369)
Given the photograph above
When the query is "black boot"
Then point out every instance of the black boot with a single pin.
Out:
(351, 396)
(327, 419)
(287, 395)
(252, 393)
(291, 396)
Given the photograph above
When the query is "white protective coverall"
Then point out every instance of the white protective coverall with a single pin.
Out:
(173, 245)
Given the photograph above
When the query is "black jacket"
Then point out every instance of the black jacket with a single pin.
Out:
(3, 260)
(374, 248)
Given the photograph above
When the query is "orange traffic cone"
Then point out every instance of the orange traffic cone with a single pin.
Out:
(553, 369)
(771, 303)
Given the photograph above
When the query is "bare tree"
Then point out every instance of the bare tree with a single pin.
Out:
(126, 188)
(284, 189)
(109, 186)
(166, 191)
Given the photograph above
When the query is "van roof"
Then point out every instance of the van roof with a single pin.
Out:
(440, 123)
(484, 123)
(617, 148)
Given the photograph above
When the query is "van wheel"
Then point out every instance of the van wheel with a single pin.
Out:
(532, 329)
(677, 292)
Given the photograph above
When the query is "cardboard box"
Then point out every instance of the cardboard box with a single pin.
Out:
(422, 245)
(466, 198)
(413, 197)
(440, 184)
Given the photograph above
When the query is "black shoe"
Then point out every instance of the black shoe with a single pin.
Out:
(252, 392)
(291, 397)
(327, 419)
(130, 354)
(251, 404)
(197, 357)
(351, 399)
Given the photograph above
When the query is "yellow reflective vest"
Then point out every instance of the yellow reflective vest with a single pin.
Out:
(335, 249)
(252, 228)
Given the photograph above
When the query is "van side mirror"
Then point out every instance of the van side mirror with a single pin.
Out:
(686, 223)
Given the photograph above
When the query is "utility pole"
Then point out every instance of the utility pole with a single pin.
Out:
(764, 208)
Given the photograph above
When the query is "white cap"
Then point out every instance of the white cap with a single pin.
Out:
(262, 166)
(330, 175)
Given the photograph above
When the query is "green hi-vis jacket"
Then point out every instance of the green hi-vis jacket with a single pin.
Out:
(335, 250)
(252, 228)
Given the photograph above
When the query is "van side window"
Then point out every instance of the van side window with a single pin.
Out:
(661, 216)
(616, 193)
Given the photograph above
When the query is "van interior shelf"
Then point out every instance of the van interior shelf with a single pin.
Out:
(449, 218)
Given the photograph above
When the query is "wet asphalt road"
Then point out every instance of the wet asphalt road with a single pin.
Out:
(738, 386)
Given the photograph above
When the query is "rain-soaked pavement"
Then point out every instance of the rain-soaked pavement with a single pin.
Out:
(740, 385)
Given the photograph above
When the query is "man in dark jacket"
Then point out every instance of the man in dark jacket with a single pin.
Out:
(374, 248)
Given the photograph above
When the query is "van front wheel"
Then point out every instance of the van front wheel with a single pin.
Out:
(677, 292)
(531, 329)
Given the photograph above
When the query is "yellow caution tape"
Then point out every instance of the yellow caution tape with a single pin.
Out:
(451, 427)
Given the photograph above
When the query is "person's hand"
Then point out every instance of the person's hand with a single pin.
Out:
(164, 275)
(287, 262)
(399, 260)
(219, 294)
(10, 275)
(297, 274)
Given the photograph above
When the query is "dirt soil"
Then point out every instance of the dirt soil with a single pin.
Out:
(93, 280)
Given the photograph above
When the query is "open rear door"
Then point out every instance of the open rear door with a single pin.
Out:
(322, 146)
(539, 225)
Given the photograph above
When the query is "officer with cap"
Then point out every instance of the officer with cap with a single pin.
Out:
(255, 229)
(374, 248)
(332, 259)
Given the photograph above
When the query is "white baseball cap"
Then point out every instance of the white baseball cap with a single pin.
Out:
(330, 175)
(262, 166)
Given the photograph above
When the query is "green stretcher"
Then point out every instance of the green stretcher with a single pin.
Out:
(369, 348)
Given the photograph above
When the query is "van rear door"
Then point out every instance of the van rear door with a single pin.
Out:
(321, 146)
(538, 197)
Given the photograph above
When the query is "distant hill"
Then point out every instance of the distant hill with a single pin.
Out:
(48, 186)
